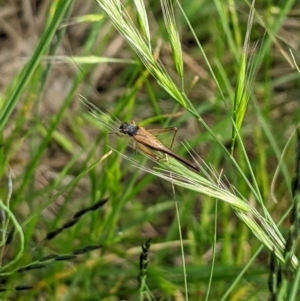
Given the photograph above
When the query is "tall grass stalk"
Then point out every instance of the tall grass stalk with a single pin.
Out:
(210, 184)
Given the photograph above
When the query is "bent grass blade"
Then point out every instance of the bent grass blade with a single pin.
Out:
(216, 189)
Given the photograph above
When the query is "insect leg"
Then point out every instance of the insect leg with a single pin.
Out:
(134, 146)
(156, 132)
(147, 151)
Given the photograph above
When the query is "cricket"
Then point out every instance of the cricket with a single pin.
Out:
(144, 138)
(146, 141)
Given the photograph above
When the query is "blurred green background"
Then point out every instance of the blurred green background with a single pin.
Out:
(52, 52)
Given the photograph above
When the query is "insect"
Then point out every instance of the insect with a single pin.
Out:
(146, 141)
(144, 138)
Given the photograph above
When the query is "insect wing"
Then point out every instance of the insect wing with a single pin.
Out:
(144, 137)
(147, 139)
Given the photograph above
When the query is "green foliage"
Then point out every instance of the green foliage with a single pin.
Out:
(220, 73)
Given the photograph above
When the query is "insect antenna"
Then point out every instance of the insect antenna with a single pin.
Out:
(105, 118)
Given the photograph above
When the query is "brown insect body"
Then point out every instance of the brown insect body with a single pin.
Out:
(145, 138)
